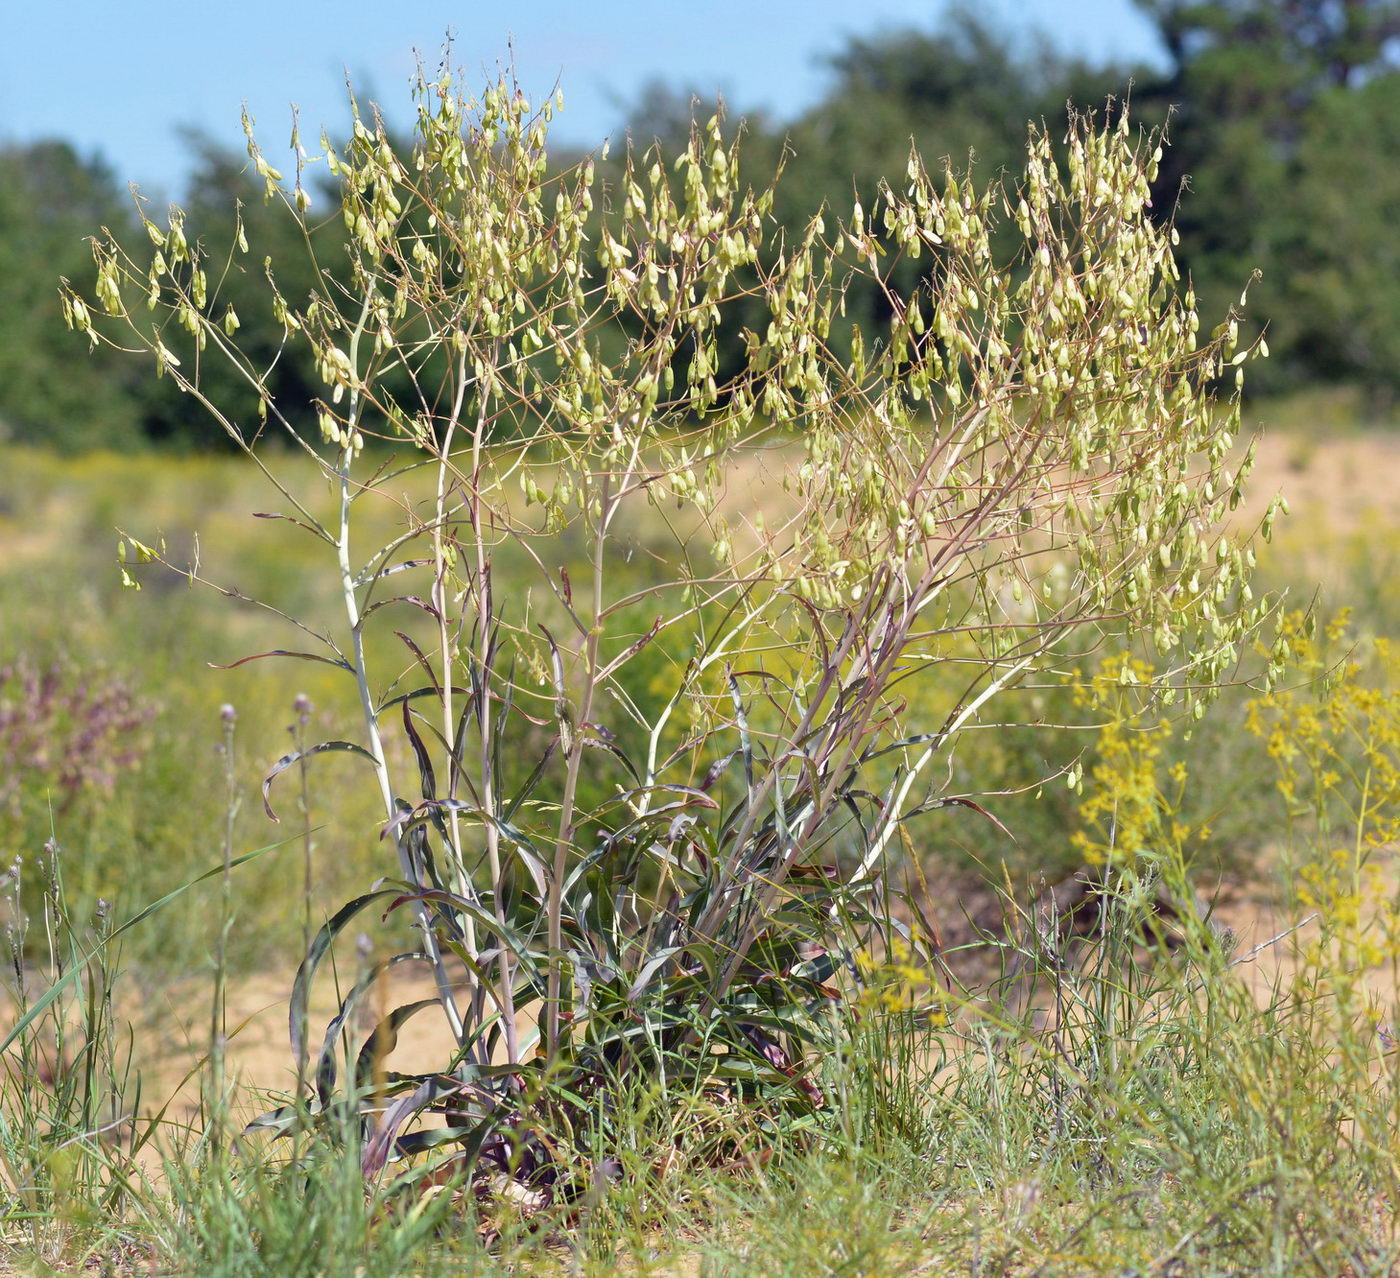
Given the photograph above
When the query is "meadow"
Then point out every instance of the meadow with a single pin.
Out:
(1164, 1104)
(866, 809)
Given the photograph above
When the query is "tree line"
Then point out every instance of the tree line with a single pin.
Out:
(1283, 118)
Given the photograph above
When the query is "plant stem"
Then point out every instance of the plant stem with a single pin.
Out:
(367, 710)
(566, 811)
(218, 1012)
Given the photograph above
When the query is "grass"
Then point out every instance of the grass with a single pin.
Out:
(1123, 1104)
(1146, 1100)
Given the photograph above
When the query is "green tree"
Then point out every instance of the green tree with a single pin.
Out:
(51, 200)
(1314, 43)
(1342, 240)
(1263, 90)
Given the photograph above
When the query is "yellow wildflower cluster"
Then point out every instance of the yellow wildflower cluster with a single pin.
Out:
(898, 981)
(1335, 738)
(1123, 810)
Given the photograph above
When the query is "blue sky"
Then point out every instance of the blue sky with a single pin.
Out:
(123, 79)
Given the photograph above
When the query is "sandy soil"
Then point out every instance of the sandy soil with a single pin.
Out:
(1340, 483)
(259, 1056)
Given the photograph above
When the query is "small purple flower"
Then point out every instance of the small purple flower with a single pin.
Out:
(63, 731)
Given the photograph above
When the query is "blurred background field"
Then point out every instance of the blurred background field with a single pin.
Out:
(120, 762)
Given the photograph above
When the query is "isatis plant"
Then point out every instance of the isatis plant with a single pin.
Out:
(681, 652)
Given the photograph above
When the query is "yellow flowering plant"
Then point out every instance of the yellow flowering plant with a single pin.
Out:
(1124, 812)
(1334, 736)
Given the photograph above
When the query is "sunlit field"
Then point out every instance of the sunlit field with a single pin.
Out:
(611, 726)
(1191, 1075)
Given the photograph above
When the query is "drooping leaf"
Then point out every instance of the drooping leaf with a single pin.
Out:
(385, 1037)
(286, 761)
(427, 778)
(320, 946)
(326, 1064)
(283, 652)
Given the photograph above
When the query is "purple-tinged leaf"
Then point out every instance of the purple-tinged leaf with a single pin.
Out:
(286, 761)
(283, 652)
